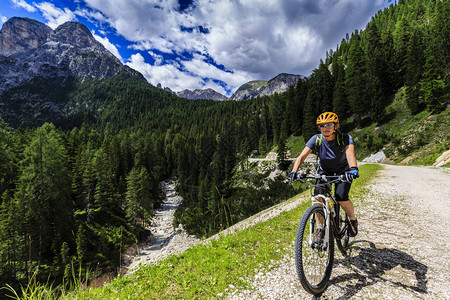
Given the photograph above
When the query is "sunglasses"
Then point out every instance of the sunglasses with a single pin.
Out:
(329, 125)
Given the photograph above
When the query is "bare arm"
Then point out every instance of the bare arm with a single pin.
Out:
(301, 158)
(351, 158)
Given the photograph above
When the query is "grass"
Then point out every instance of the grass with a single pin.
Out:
(35, 290)
(206, 271)
(295, 144)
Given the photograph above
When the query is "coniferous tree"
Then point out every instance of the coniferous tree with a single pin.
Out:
(401, 39)
(8, 158)
(434, 85)
(44, 192)
(356, 78)
(392, 81)
(414, 68)
(300, 94)
(277, 108)
(310, 113)
(340, 102)
(376, 74)
(134, 211)
(12, 236)
(281, 151)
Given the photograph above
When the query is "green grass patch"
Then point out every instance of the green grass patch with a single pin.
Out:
(205, 271)
(295, 144)
(420, 138)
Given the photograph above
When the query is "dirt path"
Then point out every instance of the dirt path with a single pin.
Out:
(401, 252)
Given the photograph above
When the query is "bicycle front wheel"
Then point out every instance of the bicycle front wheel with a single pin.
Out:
(313, 259)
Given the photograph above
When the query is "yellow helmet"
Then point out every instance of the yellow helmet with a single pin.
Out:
(327, 117)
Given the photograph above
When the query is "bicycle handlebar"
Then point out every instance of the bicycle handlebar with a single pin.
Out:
(326, 179)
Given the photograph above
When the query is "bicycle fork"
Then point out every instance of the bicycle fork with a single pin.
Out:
(327, 208)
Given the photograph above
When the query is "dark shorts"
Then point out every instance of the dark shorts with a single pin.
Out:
(341, 189)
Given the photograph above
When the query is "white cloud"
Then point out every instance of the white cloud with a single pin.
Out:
(255, 39)
(24, 4)
(209, 84)
(93, 16)
(54, 15)
(3, 19)
(168, 75)
(200, 67)
(158, 58)
(108, 45)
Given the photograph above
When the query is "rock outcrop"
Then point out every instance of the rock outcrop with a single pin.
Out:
(249, 90)
(443, 160)
(278, 84)
(21, 34)
(202, 94)
(167, 89)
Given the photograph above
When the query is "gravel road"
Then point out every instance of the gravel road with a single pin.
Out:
(401, 251)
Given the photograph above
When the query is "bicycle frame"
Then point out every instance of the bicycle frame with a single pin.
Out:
(328, 203)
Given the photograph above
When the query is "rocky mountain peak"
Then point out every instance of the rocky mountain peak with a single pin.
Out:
(278, 84)
(22, 34)
(30, 49)
(202, 94)
(75, 34)
(34, 57)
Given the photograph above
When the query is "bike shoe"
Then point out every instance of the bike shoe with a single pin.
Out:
(318, 236)
(353, 228)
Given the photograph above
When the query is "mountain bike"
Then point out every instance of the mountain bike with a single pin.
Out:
(314, 249)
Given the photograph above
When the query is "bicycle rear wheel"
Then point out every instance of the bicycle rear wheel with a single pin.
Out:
(341, 224)
(313, 262)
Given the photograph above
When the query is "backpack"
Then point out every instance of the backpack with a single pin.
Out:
(319, 137)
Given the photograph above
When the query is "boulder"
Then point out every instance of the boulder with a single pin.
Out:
(375, 158)
(443, 160)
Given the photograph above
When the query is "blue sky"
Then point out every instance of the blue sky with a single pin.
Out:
(218, 44)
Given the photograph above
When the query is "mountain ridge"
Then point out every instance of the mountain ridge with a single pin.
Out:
(38, 63)
(251, 89)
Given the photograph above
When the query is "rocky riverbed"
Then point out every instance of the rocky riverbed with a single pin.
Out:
(164, 240)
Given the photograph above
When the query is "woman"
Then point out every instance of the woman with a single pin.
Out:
(337, 156)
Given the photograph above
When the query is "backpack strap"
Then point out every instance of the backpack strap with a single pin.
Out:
(316, 150)
(318, 140)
